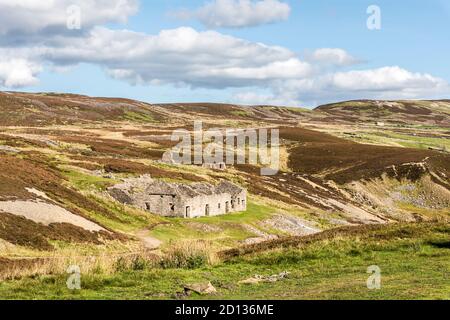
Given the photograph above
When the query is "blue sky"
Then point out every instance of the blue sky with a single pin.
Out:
(414, 37)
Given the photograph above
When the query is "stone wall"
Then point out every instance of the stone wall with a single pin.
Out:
(199, 206)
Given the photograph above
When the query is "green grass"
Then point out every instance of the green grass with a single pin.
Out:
(174, 228)
(240, 113)
(125, 219)
(138, 117)
(414, 262)
(231, 226)
(407, 141)
(410, 141)
(255, 213)
(83, 181)
(298, 109)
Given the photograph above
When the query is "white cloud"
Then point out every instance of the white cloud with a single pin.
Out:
(18, 73)
(180, 56)
(387, 79)
(255, 98)
(381, 83)
(238, 13)
(186, 57)
(332, 56)
(50, 16)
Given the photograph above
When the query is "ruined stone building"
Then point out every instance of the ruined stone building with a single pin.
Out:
(181, 200)
(221, 166)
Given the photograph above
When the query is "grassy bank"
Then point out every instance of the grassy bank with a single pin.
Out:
(414, 262)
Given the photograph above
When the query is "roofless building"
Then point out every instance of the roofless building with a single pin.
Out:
(181, 200)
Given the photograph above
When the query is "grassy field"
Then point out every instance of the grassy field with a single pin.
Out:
(412, 137)
(230, 225)
(405, 140)
(138, 117)
(414, 260)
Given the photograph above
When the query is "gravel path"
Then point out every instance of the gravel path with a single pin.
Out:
(149, 242)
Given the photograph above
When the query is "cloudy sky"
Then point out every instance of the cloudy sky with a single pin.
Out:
(284, 52)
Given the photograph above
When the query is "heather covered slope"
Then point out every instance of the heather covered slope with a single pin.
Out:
(41, 109)
(345, 161)
(46, 109)
(420, 112)
(59, 153)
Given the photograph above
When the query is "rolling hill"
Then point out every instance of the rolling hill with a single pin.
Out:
(339, 167)
(421, 112)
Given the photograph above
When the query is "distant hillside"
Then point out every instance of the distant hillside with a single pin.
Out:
(46, 109)
(59, 154)
(42, 109)
(417, 112)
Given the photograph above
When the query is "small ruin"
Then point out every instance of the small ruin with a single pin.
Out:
(218, 166)
(181, 200)
(169, 158)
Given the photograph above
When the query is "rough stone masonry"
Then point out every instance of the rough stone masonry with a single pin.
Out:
(180, 200)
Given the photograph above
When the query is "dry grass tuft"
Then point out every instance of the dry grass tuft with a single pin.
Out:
(55, 265)
(189, 254)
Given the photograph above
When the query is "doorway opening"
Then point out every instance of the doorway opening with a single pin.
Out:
(188, 212)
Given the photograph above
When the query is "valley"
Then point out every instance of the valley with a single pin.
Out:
(360, 183)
